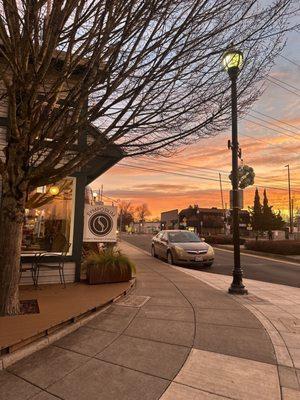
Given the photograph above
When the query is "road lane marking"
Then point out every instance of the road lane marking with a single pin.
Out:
(261, 257)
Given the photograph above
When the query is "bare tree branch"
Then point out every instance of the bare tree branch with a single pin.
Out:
(147, 74)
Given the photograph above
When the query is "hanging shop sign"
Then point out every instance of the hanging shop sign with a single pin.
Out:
(100, 223)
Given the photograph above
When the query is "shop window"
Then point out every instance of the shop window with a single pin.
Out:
(48, 224)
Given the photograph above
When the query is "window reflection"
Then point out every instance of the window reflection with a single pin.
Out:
(48, 218)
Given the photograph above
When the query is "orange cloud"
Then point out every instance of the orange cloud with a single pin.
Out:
(266, 151)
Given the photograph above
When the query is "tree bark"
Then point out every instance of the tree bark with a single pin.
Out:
(12, 213)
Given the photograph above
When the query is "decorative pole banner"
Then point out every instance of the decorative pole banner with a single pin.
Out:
(100, 223)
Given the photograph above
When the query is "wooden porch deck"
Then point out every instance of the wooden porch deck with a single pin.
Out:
(58, 306)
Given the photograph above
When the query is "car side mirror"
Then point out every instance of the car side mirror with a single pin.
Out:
(164, 240)
(202, 239)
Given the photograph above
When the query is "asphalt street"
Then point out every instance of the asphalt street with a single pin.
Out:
(254, 267)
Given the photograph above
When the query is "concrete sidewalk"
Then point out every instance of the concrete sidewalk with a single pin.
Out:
(179, 336)
(278, 309)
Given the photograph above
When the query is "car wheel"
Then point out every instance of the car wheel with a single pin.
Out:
(153, 254)
(170, 258)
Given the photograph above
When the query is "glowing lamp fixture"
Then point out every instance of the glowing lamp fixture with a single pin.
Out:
(54, 190)
(232, 59)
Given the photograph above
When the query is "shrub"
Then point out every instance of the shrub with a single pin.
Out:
(88, 248)
(284, 247)
(94, 247)
(219, 239)
(109, 265)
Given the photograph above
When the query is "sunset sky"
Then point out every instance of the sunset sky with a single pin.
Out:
(268, 150)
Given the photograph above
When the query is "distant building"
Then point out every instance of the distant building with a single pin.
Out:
(204, 221)
(169, 219)
(145, 227)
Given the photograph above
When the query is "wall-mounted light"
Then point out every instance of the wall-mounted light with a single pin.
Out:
(54, 190)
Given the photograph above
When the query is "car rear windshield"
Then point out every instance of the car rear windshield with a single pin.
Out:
(183, 237)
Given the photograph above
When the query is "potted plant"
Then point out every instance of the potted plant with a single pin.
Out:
(108, 266)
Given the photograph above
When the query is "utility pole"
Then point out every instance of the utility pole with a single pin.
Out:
(290, 199)
(221, 190)
(222, 200)
(292, 207)
(198, 221)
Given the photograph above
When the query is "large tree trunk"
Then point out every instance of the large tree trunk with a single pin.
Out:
(12, 212)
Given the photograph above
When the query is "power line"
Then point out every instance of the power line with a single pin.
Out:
(274, 188)
(249, 136)
(275, 119)
(193, 176)
(289, 60)
(169, 172)
(252, 137)
(278, 84)
(242, 134)
(196, 167)
(270, 144)
(199, 168)
(272, 123)
(245, 135)
(284, 83)
(272, 129)
(192, 166)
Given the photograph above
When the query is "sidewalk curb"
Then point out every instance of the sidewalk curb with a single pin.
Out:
(274, 257)
(281, 350)
(81, 320)
(136, 247)
(281, 356)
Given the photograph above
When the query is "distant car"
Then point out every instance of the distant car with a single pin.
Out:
(182, 247)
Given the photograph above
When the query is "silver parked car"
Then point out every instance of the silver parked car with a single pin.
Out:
(182, 247)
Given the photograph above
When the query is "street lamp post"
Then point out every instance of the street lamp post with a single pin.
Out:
(232, 61)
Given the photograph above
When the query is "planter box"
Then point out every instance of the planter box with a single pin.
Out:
(96, 274)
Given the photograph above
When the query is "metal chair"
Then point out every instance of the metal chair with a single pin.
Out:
(41, 262)
(28, 267)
